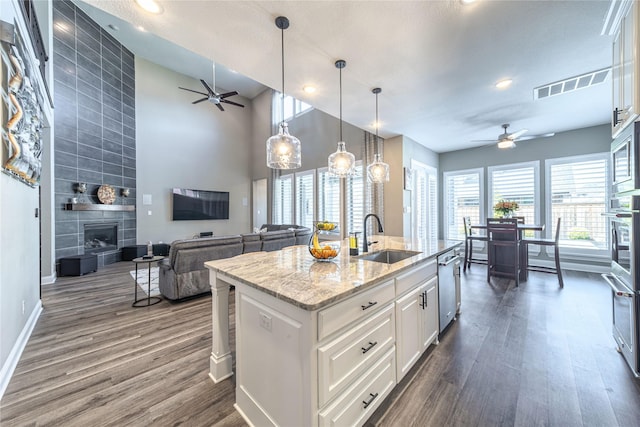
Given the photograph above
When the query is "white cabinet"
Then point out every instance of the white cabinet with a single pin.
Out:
(625, 71)
(416, 324)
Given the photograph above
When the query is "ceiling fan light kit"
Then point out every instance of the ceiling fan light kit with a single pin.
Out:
(341, 163)
(283, 150)
(378, 171)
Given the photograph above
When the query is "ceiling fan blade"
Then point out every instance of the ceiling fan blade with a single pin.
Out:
(544, 135)
(515, 135)
(232, 103)
(200, 100)
(225, 95)
(190, 90)
(211, 92)
(484, 140)
(220, 107)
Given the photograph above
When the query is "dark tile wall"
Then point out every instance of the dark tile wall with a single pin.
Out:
(95, 126)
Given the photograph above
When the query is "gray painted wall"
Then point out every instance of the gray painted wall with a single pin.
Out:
(188, 146)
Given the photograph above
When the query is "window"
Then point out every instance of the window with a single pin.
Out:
(425, 203)
(292, 107)
(328, 196)
(463, 196)
(516, 182)
(282, 200)
(355, 199)
(305, 196)
(577, 193)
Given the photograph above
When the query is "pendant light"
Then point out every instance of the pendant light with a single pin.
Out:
(341, 163)
(283, 150)
(378, 171)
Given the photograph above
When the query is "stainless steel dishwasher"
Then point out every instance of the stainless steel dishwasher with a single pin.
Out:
(448, 287)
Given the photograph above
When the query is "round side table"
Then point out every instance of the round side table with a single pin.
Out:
(149, 300)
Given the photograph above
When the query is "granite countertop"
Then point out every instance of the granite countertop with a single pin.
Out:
(292, 274)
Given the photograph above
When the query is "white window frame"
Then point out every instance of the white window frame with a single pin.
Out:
(447, 202)
(568, 250)
(536, 185)
(320, 215)
(349, 220)
(297, 105)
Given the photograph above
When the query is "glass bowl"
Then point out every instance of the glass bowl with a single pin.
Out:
(324, 247)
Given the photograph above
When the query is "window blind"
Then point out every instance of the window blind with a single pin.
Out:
(515, 184)
(578, 193)
(355, 199)
(462, 199)
(283, 212)
(328, 196)
(304, 198)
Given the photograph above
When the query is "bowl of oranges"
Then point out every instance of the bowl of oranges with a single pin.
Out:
(323, 250)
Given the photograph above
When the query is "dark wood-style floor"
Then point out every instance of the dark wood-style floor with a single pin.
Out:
(533, 355)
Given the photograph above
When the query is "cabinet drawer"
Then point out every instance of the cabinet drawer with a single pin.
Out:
(342, 314)
(413, 278)
(357, 404)
(344, 359)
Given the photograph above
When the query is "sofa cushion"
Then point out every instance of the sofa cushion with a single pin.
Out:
(179, 245)
(251, 243)
(193, 259)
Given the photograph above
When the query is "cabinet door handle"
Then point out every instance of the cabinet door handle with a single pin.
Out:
(371, 304)
(426, 299)
(371, 345)
(616, 113)
(368, 402)
(422, 300)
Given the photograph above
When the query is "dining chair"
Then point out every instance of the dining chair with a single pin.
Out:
(519, 218)
(469, 238)
(503, 249)
(556, 251)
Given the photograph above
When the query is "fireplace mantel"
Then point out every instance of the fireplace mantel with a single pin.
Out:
(97, 207)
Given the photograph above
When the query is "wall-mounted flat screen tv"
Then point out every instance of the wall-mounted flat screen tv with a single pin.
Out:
(199, 204)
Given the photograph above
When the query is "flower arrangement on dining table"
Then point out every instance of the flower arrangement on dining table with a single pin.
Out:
(505, 208)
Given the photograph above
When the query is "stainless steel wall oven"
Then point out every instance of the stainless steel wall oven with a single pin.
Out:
(624, 214)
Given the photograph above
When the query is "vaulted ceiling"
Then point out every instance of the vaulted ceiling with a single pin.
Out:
(437, 62)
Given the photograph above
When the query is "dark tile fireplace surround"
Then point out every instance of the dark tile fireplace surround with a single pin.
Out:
(95, 131)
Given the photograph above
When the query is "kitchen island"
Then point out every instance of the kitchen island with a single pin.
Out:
(322, 343)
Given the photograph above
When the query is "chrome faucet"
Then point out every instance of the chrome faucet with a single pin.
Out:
(365, 244)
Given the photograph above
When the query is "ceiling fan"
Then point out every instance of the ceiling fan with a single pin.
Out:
(212, 96)
(508, 140)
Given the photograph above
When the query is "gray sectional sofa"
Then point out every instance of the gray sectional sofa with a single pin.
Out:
(183, 274)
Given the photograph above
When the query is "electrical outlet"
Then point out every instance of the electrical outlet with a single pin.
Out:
(265, 321)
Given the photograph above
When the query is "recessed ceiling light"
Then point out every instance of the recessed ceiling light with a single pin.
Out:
(141, 28)
(466, 2)
(502, 84)
(150, 6)
(113, 27)
(233, 71)
(309, 89)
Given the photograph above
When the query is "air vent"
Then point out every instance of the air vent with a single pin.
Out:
(571, 84)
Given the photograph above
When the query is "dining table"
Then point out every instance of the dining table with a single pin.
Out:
(523, 249)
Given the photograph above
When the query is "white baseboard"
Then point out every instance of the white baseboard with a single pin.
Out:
(48, 280)
(14, 356)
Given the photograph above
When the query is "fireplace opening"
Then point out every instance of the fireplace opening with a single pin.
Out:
(100, 238)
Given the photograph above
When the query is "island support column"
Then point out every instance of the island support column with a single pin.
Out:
(220, 362)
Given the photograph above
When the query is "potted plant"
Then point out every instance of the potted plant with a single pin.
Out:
(505, 208)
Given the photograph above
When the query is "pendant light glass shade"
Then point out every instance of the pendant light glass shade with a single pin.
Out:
(341, 163)
(283, 150)
(378, 171)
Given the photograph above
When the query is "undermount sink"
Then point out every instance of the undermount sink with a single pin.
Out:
(388, 256)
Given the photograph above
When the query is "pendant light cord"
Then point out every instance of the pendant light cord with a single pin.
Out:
(377, 124)
(282, 49)
(341, 104)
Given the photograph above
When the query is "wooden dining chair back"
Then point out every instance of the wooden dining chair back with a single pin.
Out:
(519, 218)
(556, 252)
(503, 252)
(469, 238)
